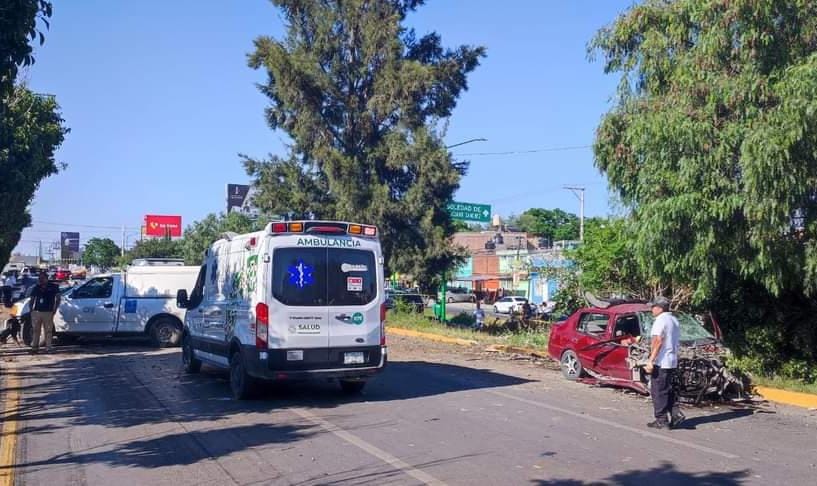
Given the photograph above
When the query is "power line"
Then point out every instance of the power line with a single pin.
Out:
(523, 152)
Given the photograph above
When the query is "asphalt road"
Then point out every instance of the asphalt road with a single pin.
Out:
(114, 414)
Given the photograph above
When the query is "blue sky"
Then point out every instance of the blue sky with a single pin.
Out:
(160, 102)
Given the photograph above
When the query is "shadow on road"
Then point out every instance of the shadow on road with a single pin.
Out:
(666, 475)
(693, 422)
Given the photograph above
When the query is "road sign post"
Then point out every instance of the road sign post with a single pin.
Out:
(463, 211)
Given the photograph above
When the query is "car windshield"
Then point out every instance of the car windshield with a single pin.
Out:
(691, 328)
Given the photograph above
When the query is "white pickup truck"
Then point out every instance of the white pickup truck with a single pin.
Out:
(138, 302)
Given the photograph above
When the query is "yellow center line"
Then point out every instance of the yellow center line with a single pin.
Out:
(8, 441)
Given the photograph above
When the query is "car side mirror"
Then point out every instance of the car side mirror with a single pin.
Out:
(181, 299)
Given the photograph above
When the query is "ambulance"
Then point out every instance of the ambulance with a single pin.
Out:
(298, 300)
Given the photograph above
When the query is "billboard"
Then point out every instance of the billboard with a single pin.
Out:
(69, 245)
(236, 196)
(159, 225)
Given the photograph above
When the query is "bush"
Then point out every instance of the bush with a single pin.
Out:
(463, 319)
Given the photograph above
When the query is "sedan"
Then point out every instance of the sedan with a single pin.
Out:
(459, 295)
(506, 305)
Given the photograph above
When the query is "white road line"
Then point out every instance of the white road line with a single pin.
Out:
(616, 425)
(369, 448)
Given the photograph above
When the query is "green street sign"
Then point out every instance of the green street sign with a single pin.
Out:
(463, 211)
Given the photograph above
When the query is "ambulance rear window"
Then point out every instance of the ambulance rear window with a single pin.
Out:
(323, 276)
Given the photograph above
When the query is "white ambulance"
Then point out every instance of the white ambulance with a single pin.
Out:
(298, 300)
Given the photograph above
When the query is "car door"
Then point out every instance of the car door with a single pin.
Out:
(90, 308)
(613, 354)
(212, 311)
(354, 306)
(591, 330)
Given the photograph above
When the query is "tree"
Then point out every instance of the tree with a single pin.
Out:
(554, 224)
(31, 130)
(154, 248)
(359, 94)
(201, 234)
(712, 144)
(18, 24)
(101, 252)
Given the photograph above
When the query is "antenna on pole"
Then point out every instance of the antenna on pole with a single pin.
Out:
(578, 191)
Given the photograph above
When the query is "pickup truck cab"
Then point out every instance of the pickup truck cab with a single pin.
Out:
(137, 302)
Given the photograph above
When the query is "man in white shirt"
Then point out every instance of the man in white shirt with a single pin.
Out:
(663, 364)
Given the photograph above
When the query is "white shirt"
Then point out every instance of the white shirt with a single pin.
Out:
(666, 326)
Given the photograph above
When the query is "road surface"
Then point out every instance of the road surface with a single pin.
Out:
(118, 414)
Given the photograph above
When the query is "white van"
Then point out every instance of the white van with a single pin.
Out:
(301, 299)
(138, 302)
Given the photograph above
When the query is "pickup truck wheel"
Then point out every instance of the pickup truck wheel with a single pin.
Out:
(352, 387)
(571, 366)
(242, 384)
(191, 364)
(165, 333)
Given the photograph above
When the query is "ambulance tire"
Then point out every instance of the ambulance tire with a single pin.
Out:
(352, 387)
(191, 364)
(242, 384)
(165, 332)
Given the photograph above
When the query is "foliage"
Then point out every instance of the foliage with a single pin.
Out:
(101, 252)
(463, 319)
(464, 226)
(360, 95)
(712, 144)
(554, 224)
(201, 234)
(18, 27)
(154, 248)
(31, 130)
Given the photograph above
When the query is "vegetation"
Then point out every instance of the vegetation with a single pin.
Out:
(360, 96)
(101, 252)
(201, 234)
(153, 248)
(553, 224)
(31, 127)
(712, 146)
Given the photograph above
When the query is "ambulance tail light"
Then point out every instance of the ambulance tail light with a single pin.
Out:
(279, 227)
(261, 325)
(383, 324)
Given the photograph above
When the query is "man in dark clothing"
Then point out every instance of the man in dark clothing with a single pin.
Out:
(12, 330)
(45, 298)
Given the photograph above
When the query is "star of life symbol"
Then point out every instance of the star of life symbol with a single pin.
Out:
(301, 274)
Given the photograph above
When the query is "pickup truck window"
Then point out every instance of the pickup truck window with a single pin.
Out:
(97, 288)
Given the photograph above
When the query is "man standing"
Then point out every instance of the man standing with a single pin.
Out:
(479, 317)
(45, 298)
(662, 365)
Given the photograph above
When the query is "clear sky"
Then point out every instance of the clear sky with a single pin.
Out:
(160, 102)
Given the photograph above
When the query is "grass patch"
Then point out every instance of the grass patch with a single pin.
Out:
(785, 384)
(424, 323)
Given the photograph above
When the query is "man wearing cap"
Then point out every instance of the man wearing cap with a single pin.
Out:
(662, 365)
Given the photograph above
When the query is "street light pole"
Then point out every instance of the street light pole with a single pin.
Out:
(467, 141)
(578, 191)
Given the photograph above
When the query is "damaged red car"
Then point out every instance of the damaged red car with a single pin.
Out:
(611, 345)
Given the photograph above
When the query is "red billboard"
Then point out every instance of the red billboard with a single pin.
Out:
(156, 225)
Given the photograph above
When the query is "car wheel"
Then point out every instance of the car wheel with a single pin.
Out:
(241, 383)
(352, 387)
(472, 299)
(191, 364)
(450, 300)
(571, 366)
(496, 310)
(165, 333)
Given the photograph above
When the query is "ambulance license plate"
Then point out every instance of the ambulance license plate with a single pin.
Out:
(295, 355)
(353, 358)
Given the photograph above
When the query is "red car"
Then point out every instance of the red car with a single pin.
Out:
(610, 346)
(61, 275)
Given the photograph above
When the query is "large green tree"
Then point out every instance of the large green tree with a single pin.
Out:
(154, 248)
(101, 252)
(712, 143)
(31, 127)
(554, 224)
(201, 234)
(359, 94)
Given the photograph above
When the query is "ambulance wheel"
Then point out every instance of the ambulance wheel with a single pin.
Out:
(191, 364)
(352, 387)
(242, 384)
(165, 333)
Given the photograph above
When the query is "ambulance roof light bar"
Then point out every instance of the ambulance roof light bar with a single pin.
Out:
(320, 227)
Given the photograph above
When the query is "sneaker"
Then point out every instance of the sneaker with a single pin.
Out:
(658, 424)
(677, 420)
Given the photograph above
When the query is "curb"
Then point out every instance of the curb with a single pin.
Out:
(431, 337)
(784, 397)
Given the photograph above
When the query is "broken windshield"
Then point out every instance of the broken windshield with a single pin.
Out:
(691, 328)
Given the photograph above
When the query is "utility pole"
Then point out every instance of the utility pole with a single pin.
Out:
(123, 240)
(578, 191)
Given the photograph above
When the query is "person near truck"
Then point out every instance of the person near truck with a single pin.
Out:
(662, 366)
(45, 299)
(8, 287)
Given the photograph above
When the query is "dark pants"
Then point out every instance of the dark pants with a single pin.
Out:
(664, 396)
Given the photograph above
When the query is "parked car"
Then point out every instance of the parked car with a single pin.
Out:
(459, 295)
(611, 345)
(507, 305)
(61, 274)
(413, 301)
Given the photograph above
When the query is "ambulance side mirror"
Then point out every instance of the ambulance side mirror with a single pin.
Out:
(181, 299)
